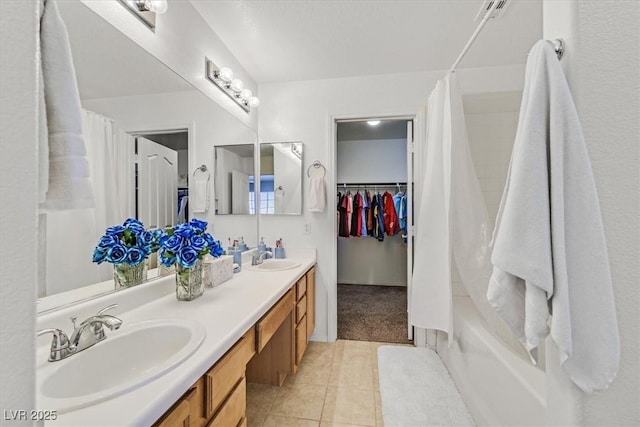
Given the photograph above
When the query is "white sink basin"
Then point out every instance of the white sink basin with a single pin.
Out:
(128, 358)
(276, 265)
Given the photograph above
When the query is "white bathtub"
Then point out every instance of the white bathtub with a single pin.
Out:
(498, 387)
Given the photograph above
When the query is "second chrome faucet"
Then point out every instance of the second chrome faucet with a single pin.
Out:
(89, 332)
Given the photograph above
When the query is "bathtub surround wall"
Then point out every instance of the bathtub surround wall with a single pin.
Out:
(602, 65)
(18, 206)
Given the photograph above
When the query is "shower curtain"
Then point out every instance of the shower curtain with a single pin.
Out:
(72, 235)
(452, 225)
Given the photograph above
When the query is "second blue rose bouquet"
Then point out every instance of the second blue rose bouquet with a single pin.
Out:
(186, 243)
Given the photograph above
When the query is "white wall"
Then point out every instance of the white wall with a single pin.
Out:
(18, 203)
(208, 124)
(303, 111)
(603, 69)
(370, 161)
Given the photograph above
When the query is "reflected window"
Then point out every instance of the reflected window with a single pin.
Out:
(267, 196)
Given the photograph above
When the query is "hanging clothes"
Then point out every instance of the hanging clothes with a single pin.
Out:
(343, 231)
(363, 217)
(369, 213)
(400, 203)
(355, 216)
(391, 225)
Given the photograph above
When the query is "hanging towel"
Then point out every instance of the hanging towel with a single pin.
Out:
(63, 166)
(199, 200)
(317, 194)
(549, 240)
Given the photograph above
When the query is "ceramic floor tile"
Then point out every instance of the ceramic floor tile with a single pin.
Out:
(255, 420)
(327, 424)
(310, 374)
(356, 371)
(260, 397)
(349, 406)
(378, 402)
(300, 401)
(278, 421)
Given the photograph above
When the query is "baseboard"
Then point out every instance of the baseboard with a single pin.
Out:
(403, 285)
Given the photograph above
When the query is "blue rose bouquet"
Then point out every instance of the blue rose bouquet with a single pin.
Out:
(187, 243)
(128, 243)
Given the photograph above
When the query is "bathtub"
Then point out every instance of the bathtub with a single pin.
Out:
(499, 387)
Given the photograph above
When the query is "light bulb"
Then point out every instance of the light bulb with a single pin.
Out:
(237, 85)
(246, 94)
(226, 74)
(254, 102)
(160, 6)
(373, 122)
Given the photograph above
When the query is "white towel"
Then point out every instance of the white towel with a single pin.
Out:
(200, 198)
(317, 194)
(63, 168)
(549, 240)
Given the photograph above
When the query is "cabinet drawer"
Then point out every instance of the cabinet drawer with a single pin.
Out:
(269, 324)
(301, 339)
(182, 413)
(233, 410)
(225, 374)
(301, 309)
(301, 287)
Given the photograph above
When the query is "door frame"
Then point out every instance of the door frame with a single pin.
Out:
(332, 137)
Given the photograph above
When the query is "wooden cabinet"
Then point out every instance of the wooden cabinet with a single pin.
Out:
(311, 301)
(218, 398)
(266, 353)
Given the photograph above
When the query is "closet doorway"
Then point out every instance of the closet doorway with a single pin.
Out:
(373, 188)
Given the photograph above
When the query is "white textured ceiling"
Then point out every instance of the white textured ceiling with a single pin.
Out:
(306, 40)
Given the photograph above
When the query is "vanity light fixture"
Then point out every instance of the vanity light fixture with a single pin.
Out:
(373, 122)
(234, 88)
(146, 10)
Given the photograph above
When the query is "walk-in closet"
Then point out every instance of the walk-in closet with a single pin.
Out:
(372, 209)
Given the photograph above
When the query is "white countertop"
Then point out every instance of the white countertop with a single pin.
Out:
(226, 312)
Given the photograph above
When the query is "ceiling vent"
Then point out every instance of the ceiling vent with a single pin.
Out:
(487, 5)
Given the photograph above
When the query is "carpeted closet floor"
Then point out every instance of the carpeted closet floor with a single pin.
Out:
(372, 313)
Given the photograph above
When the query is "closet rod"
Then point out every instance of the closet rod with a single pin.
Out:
(371, 184)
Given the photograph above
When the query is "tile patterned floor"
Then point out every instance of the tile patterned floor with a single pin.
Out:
(336, 385)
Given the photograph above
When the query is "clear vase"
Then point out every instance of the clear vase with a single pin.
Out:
(189, 283)
(126, 276)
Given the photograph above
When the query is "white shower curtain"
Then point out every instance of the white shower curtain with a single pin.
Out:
(72, 235)
(451, 218)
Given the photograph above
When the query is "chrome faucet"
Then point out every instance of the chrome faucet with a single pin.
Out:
(259, 259)
(88, 333)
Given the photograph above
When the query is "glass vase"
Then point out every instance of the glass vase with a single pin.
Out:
(126, 276)
(189, 283)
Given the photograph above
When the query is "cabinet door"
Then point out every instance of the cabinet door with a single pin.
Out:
(311, 301)
(182, 413)
(234, 408)
(301, 339)
(225, 374)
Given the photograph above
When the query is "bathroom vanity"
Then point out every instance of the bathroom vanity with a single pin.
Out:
(272, 348)
(256, 329)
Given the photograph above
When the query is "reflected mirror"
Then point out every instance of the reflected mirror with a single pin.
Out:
(235, 178)
(147, 132)
(281, 178)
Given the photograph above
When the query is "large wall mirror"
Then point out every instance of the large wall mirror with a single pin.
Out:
(281, 178)
(235, 178)
(134, 107)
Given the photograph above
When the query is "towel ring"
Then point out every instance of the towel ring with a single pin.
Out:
(316, 164)
(203, 169)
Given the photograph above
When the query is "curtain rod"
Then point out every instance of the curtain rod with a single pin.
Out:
(558, 44)
(474, 36)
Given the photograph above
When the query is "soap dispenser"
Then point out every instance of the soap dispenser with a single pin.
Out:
(242, 245)
(262, 246)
